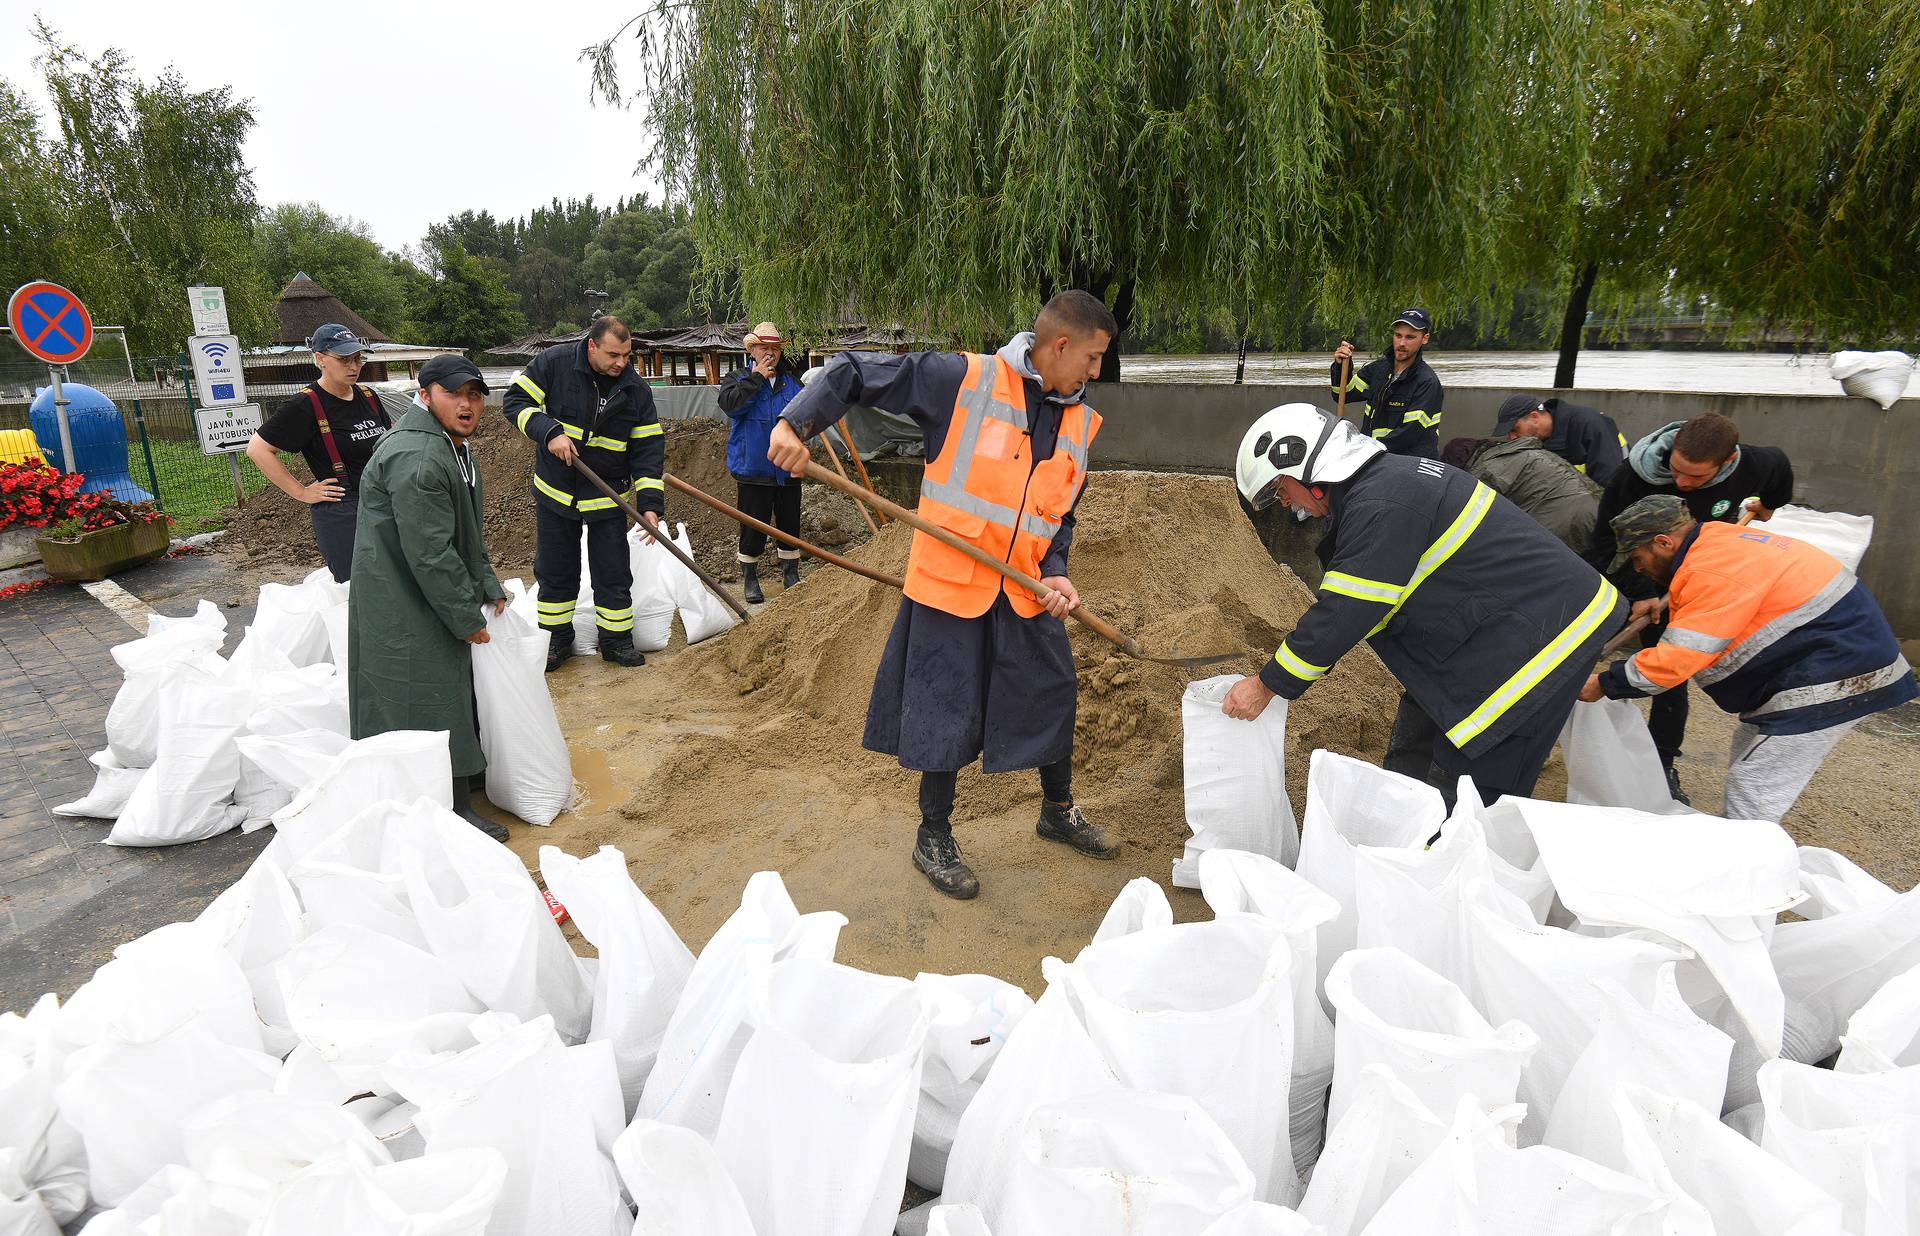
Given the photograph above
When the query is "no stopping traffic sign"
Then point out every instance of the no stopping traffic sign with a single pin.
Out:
(50, 322)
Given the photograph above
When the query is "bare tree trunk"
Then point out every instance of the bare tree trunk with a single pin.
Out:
(1573, 326)
(1122, 307)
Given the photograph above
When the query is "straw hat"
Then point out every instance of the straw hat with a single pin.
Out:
(766, 332)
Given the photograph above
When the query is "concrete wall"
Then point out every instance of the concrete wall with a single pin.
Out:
(1847, 454)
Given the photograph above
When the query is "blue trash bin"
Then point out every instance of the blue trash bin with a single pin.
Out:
(99, 440)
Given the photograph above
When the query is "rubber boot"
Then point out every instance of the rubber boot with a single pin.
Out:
(559, 648)
(462, 807)
(937, 856)
(1673, 787)
(750, 583)
(1065, 823)
(789, 572)
(618, 648)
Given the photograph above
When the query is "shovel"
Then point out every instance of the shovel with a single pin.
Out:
(845, 564)
(814, 472)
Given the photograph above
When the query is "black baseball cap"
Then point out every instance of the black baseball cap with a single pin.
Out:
(452, 372)
(1416, 318)
(336, 339)
(1512, 409)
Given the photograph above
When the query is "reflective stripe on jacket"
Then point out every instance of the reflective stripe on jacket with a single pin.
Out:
(622, 440)
(985, 488)
(1478, 611)
(1774, 630)
(1403, 409)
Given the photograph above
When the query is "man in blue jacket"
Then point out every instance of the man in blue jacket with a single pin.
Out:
(753, 399)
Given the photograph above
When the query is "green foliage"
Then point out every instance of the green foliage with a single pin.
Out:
(341, 255)
(468, 305)
(645, 258)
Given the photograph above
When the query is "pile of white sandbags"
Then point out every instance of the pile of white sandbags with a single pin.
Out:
(662, 587)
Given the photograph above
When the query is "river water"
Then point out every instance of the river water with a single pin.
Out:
(1743, 373)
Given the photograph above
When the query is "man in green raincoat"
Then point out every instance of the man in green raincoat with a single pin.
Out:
(421, 578)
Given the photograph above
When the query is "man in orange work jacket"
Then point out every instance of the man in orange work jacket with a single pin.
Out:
(1774, 630)
(978, 666)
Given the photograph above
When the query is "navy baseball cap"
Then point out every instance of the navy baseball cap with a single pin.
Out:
(452, 372)
(336, 339)
(1512, 409)
(1416, 318)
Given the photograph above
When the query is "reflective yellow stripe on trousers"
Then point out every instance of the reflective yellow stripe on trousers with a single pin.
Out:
(1544, 662)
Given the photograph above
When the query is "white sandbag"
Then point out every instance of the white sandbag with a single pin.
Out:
(702, 615)
(1879, 376)
(1122, 1163)
(703, 1039)
(956, 1221)
(248, 1145)
(1835, 884)
(291, 701)
(1516, 859)
(275, 768)
(43, 1165)
(677, 1183)
(586, 622)
(1557, 982)
(1714, 885)
(1611, 761)
(184, 796)
(1475, 1184)
(1140, 906)
(1684, 1152)
(643, 965)
(353, 878)
(1385, 1133)
(402, 766)
(452, 1193)
(1237, 883)
(969, 1017)
(112, 786)
(1660, 1043)
(178, 976)
(1391, 1010)
(482, 914)
(819, 1116)
(653, 603)
(1351, 803)
(1263, 1219)
(1844, 536)
(291, 620)
(551, 1111)
(1831, 966)
(133, 720)
(1855, 1136)
(528, 770)
(257, 921)
(1884, 1033)
(173, 1199)
(1236, 780)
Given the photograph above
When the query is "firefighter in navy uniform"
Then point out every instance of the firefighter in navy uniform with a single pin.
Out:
(1401, 392)
(583, 400)
(1488, 621)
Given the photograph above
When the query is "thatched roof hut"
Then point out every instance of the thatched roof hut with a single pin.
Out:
(304, 307)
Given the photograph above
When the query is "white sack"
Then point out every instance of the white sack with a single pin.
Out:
(43, 1165)
(702, 614)
(291, 619)
(353, 878)
(1844, 536)
(1879, 376)
(643, 966)
(257, 920)
(1385, 1133)
(1263, 1219)
(178, 976)
(1682, 1151)
(586, 622)
(1835, 884)
(1236, 780)
(703, 1039)
(819, 1115)
(1884, 1033)
(401, 766)
(677, 1183)
(528, 770)
(133, 720)
(248, 1145)
(1855, 1136)
(955, 1221)
(1236, 883)
(1830, 966)
(112, 786)
(1122, 1163)
(184, 796)
(969, 1017)
(551, 1111)
(1351, 803)
(1391, 1010)
(1141, 905)
(290, 701)
(289, 763)
(1611, 761)
(653, 603)
(452, 1193)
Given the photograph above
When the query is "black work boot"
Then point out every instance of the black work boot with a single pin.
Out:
(1673, 787)
(938, 856)
(750, 583)
(619, 649)
(463, 808)
(1065, 823)
(559, 648)
(789, 572)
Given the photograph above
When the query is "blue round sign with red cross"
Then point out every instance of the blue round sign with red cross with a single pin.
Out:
(50, 322)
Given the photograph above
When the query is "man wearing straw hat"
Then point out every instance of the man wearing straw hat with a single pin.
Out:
(753, 399)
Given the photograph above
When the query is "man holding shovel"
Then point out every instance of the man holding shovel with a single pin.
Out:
(977, 666)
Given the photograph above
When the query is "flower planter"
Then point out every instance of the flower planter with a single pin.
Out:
(96, 555)
(18, 547)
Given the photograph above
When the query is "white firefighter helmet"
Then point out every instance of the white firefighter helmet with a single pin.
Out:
(1303, 442)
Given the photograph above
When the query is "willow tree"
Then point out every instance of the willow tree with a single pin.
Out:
(946, 164)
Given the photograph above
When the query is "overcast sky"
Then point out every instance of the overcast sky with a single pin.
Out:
(398, 113)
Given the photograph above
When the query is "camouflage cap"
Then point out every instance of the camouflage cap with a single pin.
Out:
(1644, 520)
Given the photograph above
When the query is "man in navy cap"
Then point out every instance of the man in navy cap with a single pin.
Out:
(1400, 390)
(1585, 437)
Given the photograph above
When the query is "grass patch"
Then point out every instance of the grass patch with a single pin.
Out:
(196, 489)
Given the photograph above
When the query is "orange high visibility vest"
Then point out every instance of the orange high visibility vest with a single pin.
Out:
(984, 489)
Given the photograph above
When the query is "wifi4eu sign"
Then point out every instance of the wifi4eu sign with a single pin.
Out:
(217, 379)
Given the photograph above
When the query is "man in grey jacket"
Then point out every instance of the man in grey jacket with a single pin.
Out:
(1533, 478)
